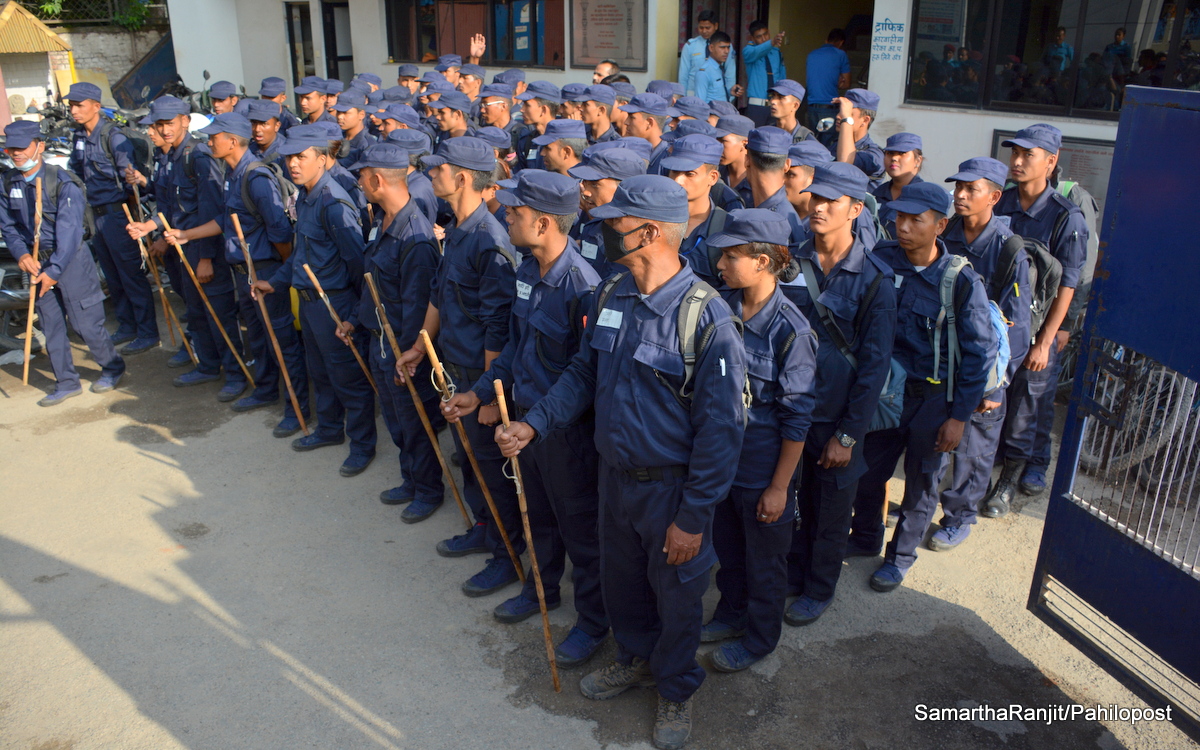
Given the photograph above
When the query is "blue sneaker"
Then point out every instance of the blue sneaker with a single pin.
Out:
(949, 537)
(139, 345)
(464, 544)
(498, 573)
(195, 377)
(519, 609)
(888, 577)
(715, 631)
(577, 648)
(805, 611)
(395, 496)
(179, 359)
(106, 383)
(355, 464)
(252, 402)
(287, 427)
(314, 441)
(419, 510)
(1033, 481)
(120, 337)
(56, 398)
(231, 390)
(733, 657)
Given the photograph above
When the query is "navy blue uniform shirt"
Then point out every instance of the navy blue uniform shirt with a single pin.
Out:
(639, 423)
(189, 192)
(329, 239)
(104, 181)
(695, 251)
(868, 156)
(403, 260)
(474, 289)
(275, 226)
(883, 196)
(420, 188)
(591, 247)
(780, 205)
(529, 154)
(349, 183)
(355, 147)
(62, 222)
(546, 326)
(1069, 245)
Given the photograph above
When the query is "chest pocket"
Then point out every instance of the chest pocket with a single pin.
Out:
(666, 364)
(920, 316)
(843, 310)
(554, 339)
(604, 338)
(308, 232)
(465, 283)
(764, 374)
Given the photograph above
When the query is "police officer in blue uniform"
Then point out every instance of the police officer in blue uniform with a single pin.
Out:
(190, 194)
(539, 102)
(979, 235)
(329, 240)
(1035, 209)
(99, 157)
(596, 104)
(63, 276)
(766, 166)
(554, 293)
(453, 117)
(469, 314)
(601, 174)
(694, 163)
(351, 113)
(224, 97)
(268, 232)
(803, 159)
(902, 157)
(856, 114)
(562, 145)
(338, 173)
(733, 131)
(648, 118)
(784, 100)
(417, 145)
(402, 256)
(266, 125)
(848, 297)
(940, 395)
(312, 101)
(274, 89)
(752, 527)
(664, 432)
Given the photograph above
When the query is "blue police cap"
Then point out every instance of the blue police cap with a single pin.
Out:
(690, 127)
(734, 125)
(788, 87)
(374, 99)
(572, 90)
(83, 91)
(623, 90)
(661, 88)
(21, 133)
(809, 153)
(692, 106)
(690, 151)
(863, 99)
(507, 77)
(549, 192)
(677, 88)
(330, 129)
(919, 197)
(413, 141)
(609, 164)
(495, 137)
(262, 110)
(230, 122)
(431, 76)
(542, 90)
(835, 179)
(370, 78)
(746, 225)
(408, 70)
(300, 138)
(168, 108)
(222, 90)
(1043, 136)
(382, 156)
(452, 100)
(652, 197)
(903, 142)
(639, 146)
(442, 88)
(981, 168)
(496, 90)
(770, 140)
(508, 184)
(309, 84)
(476, 71)
(446, 62)
(559, 129)
(272, 87)
(350, 100)
(401, 113)
(598, 93)
(466, 152)
(721, 108)
(335, 86)
(649, 103)
(396, 94)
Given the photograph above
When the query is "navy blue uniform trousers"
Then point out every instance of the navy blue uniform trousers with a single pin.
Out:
(923, 470)
(752, 578)
(77, 298)
(266, 367)
(121, 260)
(1031, 413)
(971, 468)
(560, 475)
(345, 401)
(420, 472)
(205, 336)
(656, 609)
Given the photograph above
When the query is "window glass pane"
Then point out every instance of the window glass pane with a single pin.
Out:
(948, 51)
(1106, 54)
(1035, 54)
(519, 32)
(412, 31)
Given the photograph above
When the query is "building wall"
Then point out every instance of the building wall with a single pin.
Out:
(27, 77)
(112, 51)
(200, 34)
(950, 135)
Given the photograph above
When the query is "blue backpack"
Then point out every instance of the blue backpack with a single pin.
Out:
(998, 368)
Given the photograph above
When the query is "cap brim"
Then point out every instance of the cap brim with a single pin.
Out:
(726, 240)
(15, 142)
(429, 162)
(508, 198)
(306, 90)
(212, 129)
(1023, 143)
(544, 140)
(672, 112)
(290, 148)
(607, 211)
(586, 172)
(911, 207)
(680, 164)
(967, 177)
(826, 191)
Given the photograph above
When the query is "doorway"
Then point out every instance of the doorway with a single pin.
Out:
(300, 42)
(339, 53)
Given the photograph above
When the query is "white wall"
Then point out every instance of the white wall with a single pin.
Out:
(950, 135)
(27, 76)
(200, 31)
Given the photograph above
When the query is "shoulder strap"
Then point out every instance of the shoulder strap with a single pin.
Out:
(865, 303)
(715, 224)
(606, 291)
(831, 326)
(106, 128)
(690, 310)
(948, 315)
(247, 201)
(1006, 265)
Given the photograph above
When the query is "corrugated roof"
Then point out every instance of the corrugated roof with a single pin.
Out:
(21, 33)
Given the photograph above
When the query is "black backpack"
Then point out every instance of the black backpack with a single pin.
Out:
(51, 184)
(287, 188)
(143, 148)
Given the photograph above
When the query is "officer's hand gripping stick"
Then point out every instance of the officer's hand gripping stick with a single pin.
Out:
(168, 311)
(337, 321)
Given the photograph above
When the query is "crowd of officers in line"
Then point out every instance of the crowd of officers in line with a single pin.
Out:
(694, 319)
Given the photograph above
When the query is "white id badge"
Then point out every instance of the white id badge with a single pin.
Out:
(16, 193)
(523, 290)
(589, 250)
(373, 234)
(610, 318)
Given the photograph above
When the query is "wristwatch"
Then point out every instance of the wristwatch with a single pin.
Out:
(848, 120)
(845, 440)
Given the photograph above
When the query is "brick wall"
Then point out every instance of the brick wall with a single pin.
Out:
(112, 51)
(26, 78)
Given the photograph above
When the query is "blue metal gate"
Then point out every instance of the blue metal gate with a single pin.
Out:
(1118, 573)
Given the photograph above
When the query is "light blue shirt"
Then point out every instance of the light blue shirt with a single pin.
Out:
(695, 52)
(756, 57)
(708, 82)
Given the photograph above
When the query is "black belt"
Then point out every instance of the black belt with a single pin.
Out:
(923, 389)
(468, 375)
(377, 334)
(240, 268)
(655, 473)
(106, 208)
(311, 296)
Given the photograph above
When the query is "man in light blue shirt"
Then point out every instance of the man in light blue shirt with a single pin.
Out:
(695, 52)
(708, 80)
(827, 69)
(764, 66)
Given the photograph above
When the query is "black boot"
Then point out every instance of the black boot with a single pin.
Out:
(998, 500)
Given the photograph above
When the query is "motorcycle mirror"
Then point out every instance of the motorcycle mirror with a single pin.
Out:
(243, 89)
(145, 91)
(206, 75)
(824, 124)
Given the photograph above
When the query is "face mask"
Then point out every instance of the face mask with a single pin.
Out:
(28, 166)
(614, 242)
